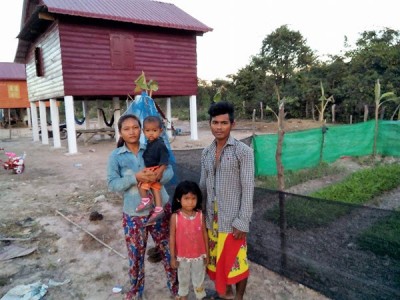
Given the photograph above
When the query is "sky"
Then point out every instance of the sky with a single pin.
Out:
(239, 27)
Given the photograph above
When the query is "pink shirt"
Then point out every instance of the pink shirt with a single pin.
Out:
(189, 237)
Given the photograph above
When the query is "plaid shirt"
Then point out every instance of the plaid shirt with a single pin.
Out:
(230, 183)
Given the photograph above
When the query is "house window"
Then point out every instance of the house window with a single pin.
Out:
(121, 47)
(13, 91)
(38, 61)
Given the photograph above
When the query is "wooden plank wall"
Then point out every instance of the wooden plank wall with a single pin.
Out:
(168, 58)
(7, 102)
(51, 84)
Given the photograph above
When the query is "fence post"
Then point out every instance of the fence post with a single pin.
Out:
(365, 113)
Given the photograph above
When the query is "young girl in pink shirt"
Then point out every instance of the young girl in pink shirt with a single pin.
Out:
(188, 239)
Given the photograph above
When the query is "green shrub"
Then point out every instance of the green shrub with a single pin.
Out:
(293, 178)
(361, 186)
(303, 214)
(358, 188)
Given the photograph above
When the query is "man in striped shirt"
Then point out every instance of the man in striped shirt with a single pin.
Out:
(227, 182)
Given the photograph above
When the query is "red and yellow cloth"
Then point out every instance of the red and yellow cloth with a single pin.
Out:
(228, 258)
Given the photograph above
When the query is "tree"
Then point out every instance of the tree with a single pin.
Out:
(379, 100)
(377, 56)
(284, 52)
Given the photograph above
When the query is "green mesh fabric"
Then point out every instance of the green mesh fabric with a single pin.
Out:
(389, 138)
(303, 149)
(348, 140)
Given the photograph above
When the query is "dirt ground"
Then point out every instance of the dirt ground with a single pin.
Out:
(66, 258)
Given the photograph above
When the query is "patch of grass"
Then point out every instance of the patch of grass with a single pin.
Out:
(293, 178)
(303, 213)
(383, 238)
(358, 188)
(361, 186)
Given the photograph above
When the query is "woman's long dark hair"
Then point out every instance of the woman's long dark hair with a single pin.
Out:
(121, 120)
(183, 188)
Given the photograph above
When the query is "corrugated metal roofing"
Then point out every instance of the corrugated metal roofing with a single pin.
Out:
(12, 71)
(144, 12)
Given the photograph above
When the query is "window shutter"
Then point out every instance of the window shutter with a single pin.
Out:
(121, 47)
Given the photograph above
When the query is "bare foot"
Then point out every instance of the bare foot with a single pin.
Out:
(228, 293)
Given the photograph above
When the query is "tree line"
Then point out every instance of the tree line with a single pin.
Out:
(285, 62)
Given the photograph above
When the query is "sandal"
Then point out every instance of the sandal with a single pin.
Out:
(155, 216)
(144, 204)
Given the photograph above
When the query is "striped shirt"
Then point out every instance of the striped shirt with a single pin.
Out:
(230, 183)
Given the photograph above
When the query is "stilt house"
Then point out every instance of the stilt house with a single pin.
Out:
(93, 50)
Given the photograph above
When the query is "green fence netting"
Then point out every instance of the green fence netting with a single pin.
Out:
(305, 149)
(341, 250)
(389, 138)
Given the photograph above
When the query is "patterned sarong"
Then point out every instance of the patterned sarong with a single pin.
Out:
(228, 257)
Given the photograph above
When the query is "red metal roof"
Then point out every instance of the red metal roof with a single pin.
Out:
(12, 71)
(144, 12)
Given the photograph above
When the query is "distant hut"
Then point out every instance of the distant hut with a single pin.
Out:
(14, 103)
(93, 50)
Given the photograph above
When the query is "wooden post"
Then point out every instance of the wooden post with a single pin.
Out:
(351, 119)
(306, 109)
(9, 122)
(365, 113)
(261, 111)
(253, 121)
(333, 113)
(382, 113)
(313, 110)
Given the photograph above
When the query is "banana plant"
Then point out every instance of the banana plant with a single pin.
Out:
(324, 103)
(379, 100)
(143, 85)
(218, 95)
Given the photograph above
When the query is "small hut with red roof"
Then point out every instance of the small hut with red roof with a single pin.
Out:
(14, 103)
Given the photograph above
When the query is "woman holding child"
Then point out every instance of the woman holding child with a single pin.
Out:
(125, 170)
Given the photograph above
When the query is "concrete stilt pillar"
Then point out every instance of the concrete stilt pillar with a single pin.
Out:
(55, 123)
(70, 120)
(86, 124)
(35, 124)
(43, 122)
(117, 115)
(169, 118)
(193, 118)
(28, 113)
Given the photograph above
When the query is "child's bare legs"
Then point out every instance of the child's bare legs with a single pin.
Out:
(158, 210)
(145, 201)
(157, 197)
